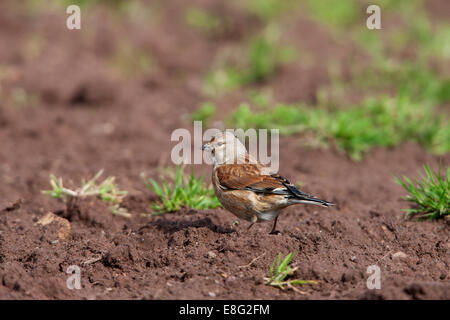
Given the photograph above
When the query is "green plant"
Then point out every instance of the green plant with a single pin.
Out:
(289, 119)
(430, 194)
(387, 122)
(336, 14)
(257, 61)
(377, 122)
(280, 270)
(107, 191)
(264, 56)
(261, 99)
(182, 192)
(424, 42)
(204, 113)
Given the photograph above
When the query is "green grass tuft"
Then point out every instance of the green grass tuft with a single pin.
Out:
(377, 122)
(280, 270)
(182, 192)
(107, 191)
(430, 194)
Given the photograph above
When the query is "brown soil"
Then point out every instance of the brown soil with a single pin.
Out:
(87, 117)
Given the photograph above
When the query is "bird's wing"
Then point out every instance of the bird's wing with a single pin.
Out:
(245, 176)
(249, 177)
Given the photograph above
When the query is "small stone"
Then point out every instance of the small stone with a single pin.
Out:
(231, 279)
(65, 227)
(54, 241)
(212, 294)
(353, 258)
(399, 255)
(211, 254)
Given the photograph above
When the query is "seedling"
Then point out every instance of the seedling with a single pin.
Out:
(280, 270)
(430, 194)
(182, 192)
(107, 191)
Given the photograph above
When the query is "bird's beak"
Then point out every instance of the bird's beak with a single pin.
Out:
(206, 147)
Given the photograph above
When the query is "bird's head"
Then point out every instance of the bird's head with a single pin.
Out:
(225, 148)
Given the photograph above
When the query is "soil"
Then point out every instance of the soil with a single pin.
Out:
(86, 117)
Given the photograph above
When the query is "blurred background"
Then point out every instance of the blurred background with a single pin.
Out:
(109, 95)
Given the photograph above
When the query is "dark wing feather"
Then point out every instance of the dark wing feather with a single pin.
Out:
(249, 177)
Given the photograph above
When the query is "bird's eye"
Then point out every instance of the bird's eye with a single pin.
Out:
(220, 144)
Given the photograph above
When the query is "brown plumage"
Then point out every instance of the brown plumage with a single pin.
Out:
(246, 188)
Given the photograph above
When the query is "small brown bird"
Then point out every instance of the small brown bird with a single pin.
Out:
(246, 188)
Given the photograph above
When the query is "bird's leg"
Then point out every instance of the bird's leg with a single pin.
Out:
(254, 219)
(274, 231)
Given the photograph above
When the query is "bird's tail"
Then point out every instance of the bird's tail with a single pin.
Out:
(302, 197)
(315, 201)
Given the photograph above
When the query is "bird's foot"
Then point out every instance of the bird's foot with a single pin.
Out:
(274, 232)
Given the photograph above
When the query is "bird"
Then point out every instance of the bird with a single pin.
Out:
(247, 188)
